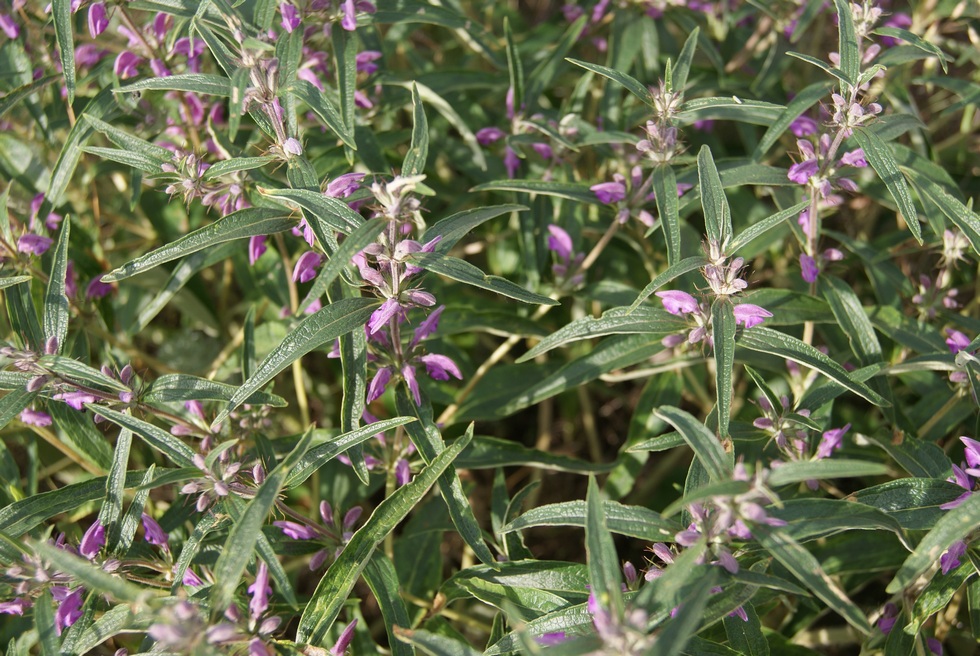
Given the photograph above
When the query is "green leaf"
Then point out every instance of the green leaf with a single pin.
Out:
(418, 151)
(64, 169)
(807, 569)
(129, 142)
(320, 454)
(61, 10)
(680, 629)
(914, 40)
(847, 43)
(732, 108)
(90, 575)
(801, 102)
(515, 69)
(665, 188)
(883, 162)
(156, 437)
(381, 577)
(177, 388)
(455, 227)
(426, 437)
(212, 85)
(12, 98)
(77, 430)
(675, 270)
(851, 317)
(237, 225)
(723, 320)
(79, 372)
(914, 502)
(345, 52)
(240, 544)
(434, 643)
(492, 452)
(131, 159)
(956, 524)
(634, 521)
(616, 321)
(236, 164)
(23, 316)
(760, 228)
(631, 84)
(918, 457)
(192, 545)
(747, 638)
(846, 81)
(115, 489)
(706, 446)
(44, 623)
(804, 470)
(576, 191)
(56, 310)
(366, 234)
(116, 620)
(462, 271)
(717, 215)
(322, 327)
(338, 582)
(962, 216)
(545, 72)
(330, 211)
(317, 101)
(765, 340)
(681, 69)
(605, 578)
(13, 280)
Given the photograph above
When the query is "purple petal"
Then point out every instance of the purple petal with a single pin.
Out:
(678, 302)
(750, 315)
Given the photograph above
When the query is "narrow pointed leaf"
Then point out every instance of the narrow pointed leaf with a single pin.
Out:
(366, 234)
(177, 388)
(801, 102)
(717, 214)
(631, 84)
(665, 187)
(381, 577)
(115, 489)
(462, 271)
(600, 552)
(706, 446)
(56, 310)
(212, 85)
(723, 322)
(61, 10)
(317, 101)
(338, 582)
(682, 67)
(576, 191)
(515, 68)
(237, 225)
(330, 211)
(93, 577)
(675, 270)
(322, 327)
(453, 228)
(240, 544)
(883, 162)
(155, 436)
(418, 151)
(804, 470)
(847, 42)
(634, 521)
(756, 230)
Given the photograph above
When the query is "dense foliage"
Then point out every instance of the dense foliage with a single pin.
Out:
(421, 326)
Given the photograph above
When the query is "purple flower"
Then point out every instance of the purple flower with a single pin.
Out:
(33, 417)
(951, 559)
(801, 172)
(831, 440)
(487, 136)
(803, 125)
(365, 61)
(678, 302)
(93, 541)
(125, 65)
(408, 373)
(290, 18)
(553, 638)
(34, 244)
(191, 579)
(439, 367)
(972, 453)
(97, 19)
(854, 158)
(809, 268)
(296, 530)
(934, 646)
(256, 248)
(511, 162)
(76, 400)
(260, 590)
(956, 341)
(349, 21)
(343, 642)
(306, 265)
(427, 326)
(378, 384)
(888, 618)
(344, 185)
(9, 27)
(380, 317)
(292, 146)
(98, 289)
(187, 46)
(69, 608)
(749, 315)
(543, 150)
(899, 20)
(609, 192)
(14, 606)
(560, 242)
(403, 473)
(153, 532)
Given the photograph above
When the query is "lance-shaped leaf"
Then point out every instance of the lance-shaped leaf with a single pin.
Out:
(381, 577)
(914, 40)
(212, 85)
(155, 436)
(731, 108)
(61, 10)
(418, 150)
(177, 388)
(665, 188)
(682, 67)
(240, 544)
(766, 340)
(634, 521)
(723, 322)
(56, 309)
(132, 143)
(330, 211)
(435, 643)
(462, 271)
(804, 470)
(600, 552)
(336, 585)
(236, 164)
(801, 102)
(617, 321)
(322, 327)
(91, 576)
(317, 101)
(847, 42)
(115, 489)
(807, 569)
(11, 99)
(341, 257)
(675, 270)
(492, 452)
(717, 214)
(760, 228)
(962, 216)
(631, 84)
(886, 166)
(237, 225)
(706, 446)
(951, 527)
(453, 228)
(576, 191)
